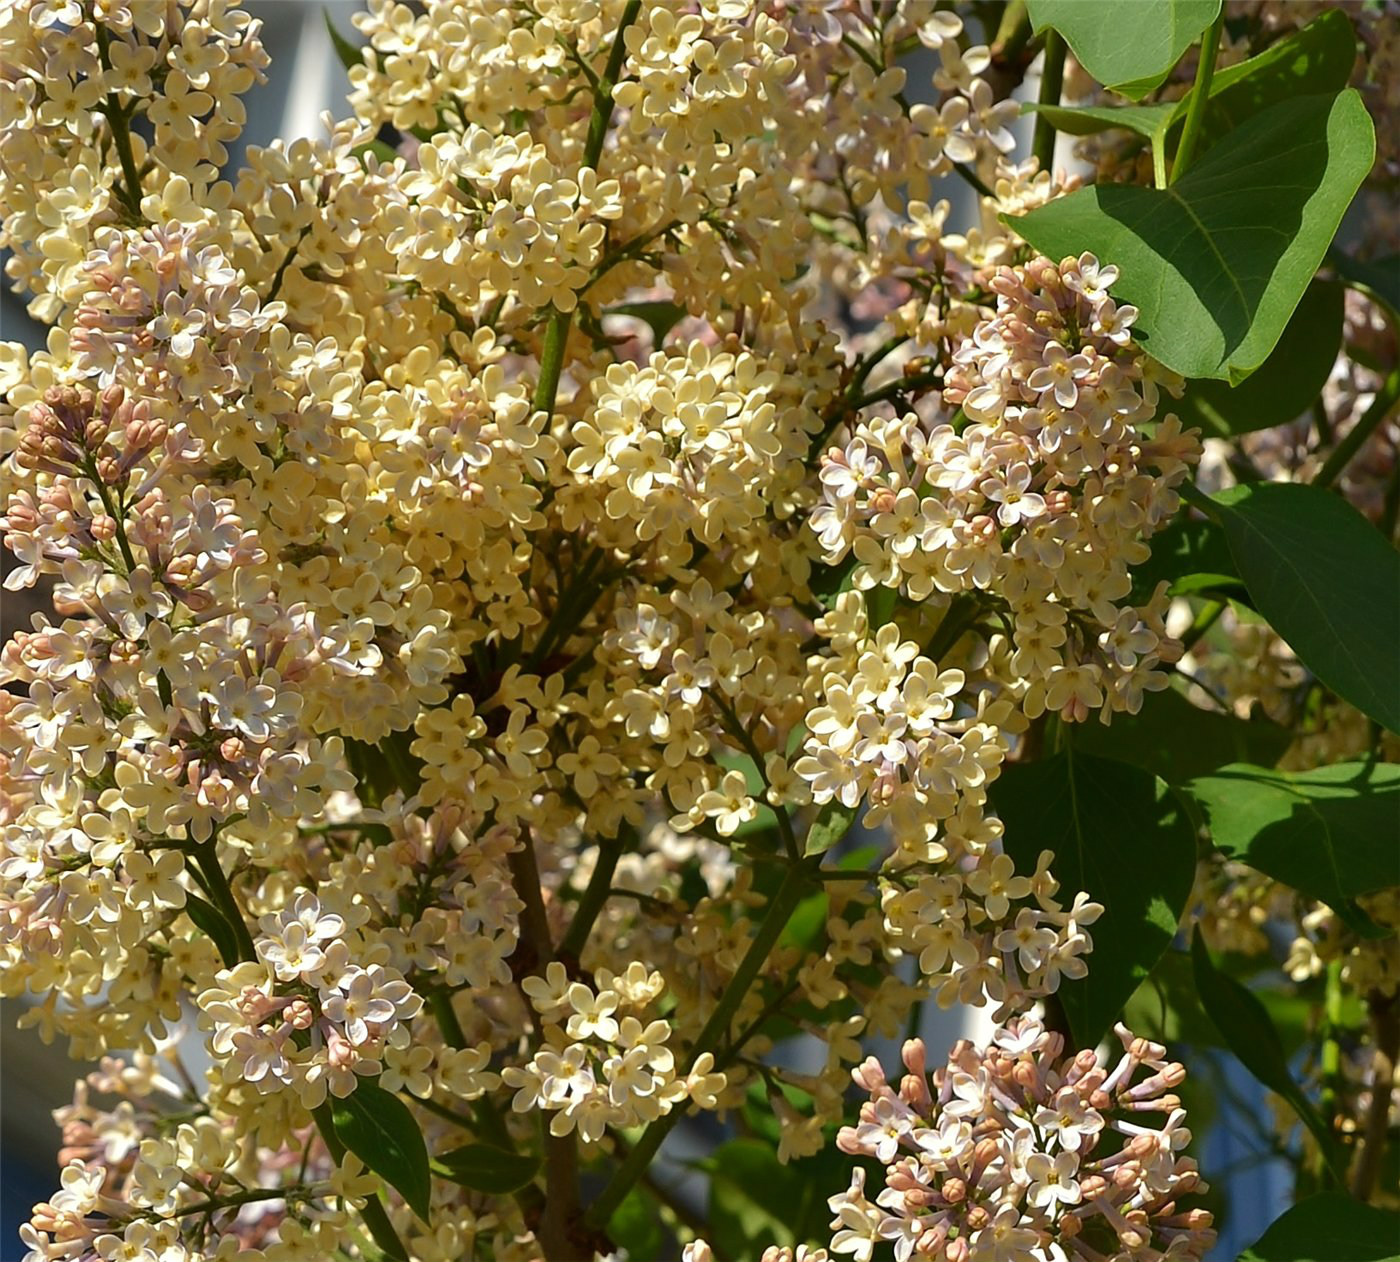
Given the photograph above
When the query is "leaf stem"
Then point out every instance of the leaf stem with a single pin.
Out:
(250, 1197)
(1200, 97)
(1381, 407)
(779, 912)
(1052, 78)
(1013, 31)
(971, 177)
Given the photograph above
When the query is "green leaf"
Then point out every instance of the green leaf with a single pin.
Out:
(833, 822)
(1130, 48)
(1329, 833)
(1117, 832)
(378, 1128)
(1286, 383)
(1166, 1008)
(385, 153)
(755, 1201)
(661, 315)
(1329, 1227)
(636, 1227)
(350, 55)
(1151, 121)
(1317, 59)
(751, 1198)
(879, 606)
(1179, 741)
(1326, 580)
(1216, 263)
(1191, 555)
(1379, 279)
(1244, 1023)
(209, 920)
(807, 923)
(486, 1168)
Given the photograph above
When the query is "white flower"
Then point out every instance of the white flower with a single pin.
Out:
(1053, 1180)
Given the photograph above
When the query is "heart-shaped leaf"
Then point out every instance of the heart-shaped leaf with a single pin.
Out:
(1217, 263)
(1326, 580)
(1129, 48)
(1329, 832)
(1317, 59)
(1191, 555)
(1287, 382)
(1119, 833)
(1179, 741)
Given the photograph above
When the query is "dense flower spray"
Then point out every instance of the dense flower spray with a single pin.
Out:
(488, 548)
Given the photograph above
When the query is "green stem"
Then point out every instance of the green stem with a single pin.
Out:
(1331, 1057)
(376, 1218)
(1052, 78)
(795, 885)
(108, 507)
(595, 895)
(468, 1124)
(1200, 97)
(1352, 440)
(216, 1203)
(276, 287)
(573, 603)
(1322, 423)
(1013, 31)
(556, 333)
(969, 176)
(899, 386)
(119, 118)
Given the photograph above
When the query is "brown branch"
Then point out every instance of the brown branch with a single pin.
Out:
(1385, 1025)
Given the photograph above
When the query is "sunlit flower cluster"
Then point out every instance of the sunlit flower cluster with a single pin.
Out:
(1014, 1151)
(486, 545)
